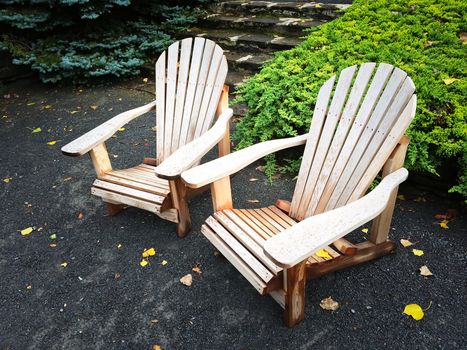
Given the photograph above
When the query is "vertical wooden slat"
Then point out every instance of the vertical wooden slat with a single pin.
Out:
(311, 144)
(197, 55)
(345, 123)
(180, 202)
(172, 62)
(333, 115)
(100, 159)
(160, 106)
(201, 85)
(371, 98)
(184, 66)
(221, 194)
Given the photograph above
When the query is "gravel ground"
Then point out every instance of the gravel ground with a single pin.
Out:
(104, 299)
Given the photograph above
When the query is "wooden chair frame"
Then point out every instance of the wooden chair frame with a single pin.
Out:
(156, 185)
(280, 264)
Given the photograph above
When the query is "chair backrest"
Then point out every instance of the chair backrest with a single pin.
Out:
(190, 76)
(355, 127)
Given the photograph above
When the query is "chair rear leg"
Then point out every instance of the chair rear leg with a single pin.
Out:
(113, 208)
(180, 202)
(294, 283)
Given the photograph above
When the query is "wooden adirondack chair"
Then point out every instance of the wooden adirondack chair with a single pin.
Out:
(354, 134)
(190, 92)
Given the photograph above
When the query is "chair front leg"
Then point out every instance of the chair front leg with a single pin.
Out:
(178, 192)
(294, 285)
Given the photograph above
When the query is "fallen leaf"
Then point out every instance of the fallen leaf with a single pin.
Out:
(329, 304)
(36, 130)
(197, 269)
(406, 243)
(415, 311)
(80, 216)
(40, 229)
(68, 178)
(164, 262)
(252, 200)
(145, 80)
(64, 264)
(187, 280)
(401, 197)
(425, 271)
(31, 104)
(156, 347)
(121, 129)
(26, 231)
(149, 252)
(52, 245)
(54, 236)
(51, 143)
(253, 179)
(73, 112)
(365, 230)
(29, 286)
(47, 107)
(144, 262)
(93, 107)
(449, 81)
(444, 224)
(7, 180)
(119, 246)
(117, 276)
(260, 168)
(154, 321)
(417, 252)
(323, 254)
(428, 43)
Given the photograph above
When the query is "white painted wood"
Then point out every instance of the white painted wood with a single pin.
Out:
(377, 85)
(160, 110)
(255, 281)
(319, 115)
(247, 241)
(221, 167)
(327, 133)
(103, 132)
(345, 123)
(197, 55)
(172, 62)
(182, 82)
(302, 240)
(188, 155)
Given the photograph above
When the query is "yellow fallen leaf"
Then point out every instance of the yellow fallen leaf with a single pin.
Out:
(406, 243)
(149, 252)
(119, 246)
(53, 236)
(164, 262)
(47, 106)
(329, 304)
(64, 264)
(7, 179)
(26, 231)
(449, 81)
(323, 254)
(68, 178)
(401, 197)
(425, 271)
(144, 262)
(31, 104)
(29, 286)
(51, 143)
(415, 311)
(365, 230)
(444, 224)
(318, 6)
(73, 112)
(145, 80)
(121, 129)
(187, 280)
(36, 130)
(156, 347)
(417, 252)
(93, 107)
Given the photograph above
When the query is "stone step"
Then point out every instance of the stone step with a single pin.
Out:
(242, 61)
(235, 40)
(322, 10)
(236, 78)
(278, 25)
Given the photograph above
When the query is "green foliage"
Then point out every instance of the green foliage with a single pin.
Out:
(421, 37)
(84, 39)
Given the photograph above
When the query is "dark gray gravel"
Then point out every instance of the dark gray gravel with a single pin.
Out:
(84, 306)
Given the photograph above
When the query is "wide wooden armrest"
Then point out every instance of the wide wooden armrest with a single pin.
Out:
(303, 239)
(221, 167)
(100, 134)
(188, 155)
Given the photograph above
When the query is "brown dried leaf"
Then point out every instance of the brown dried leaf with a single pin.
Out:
(406, 243)
(425, 271)
(93, 107)
(329, 304)
(187, 280)
(197, 269)
(80, 216)
(117, 276)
